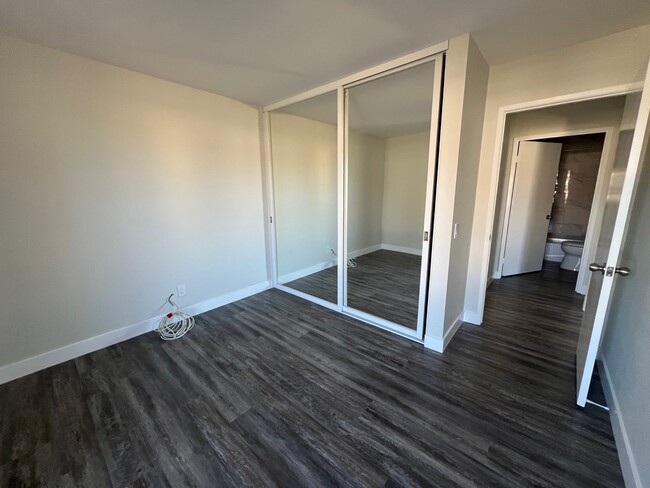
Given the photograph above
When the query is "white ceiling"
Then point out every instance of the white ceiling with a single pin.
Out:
(390, 106)
(260, 51)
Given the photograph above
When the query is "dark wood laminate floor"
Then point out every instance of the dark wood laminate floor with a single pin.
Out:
(275, 391)
(384, 283)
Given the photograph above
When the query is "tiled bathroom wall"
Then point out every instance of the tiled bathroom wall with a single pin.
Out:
(576, 182)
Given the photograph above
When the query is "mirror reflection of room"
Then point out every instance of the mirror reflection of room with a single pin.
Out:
(304, 159)
(389, 121)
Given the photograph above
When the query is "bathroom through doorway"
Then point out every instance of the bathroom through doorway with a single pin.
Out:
(556, 166)
(549, 209)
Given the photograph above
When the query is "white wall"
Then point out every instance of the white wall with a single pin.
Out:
(609, 61)
(366, 156)
(600, 113)
(114, 188)
(305, 187)
(405, 176)
(466, 77)
(624, 350)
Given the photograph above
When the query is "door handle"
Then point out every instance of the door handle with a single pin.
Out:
(623, 271)
(548, 217)
(593, 267)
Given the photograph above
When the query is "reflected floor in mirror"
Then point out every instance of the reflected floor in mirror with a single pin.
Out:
(384, 284)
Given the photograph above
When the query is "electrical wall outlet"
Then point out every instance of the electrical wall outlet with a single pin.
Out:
(180, 289)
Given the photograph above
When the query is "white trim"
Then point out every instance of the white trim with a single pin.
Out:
(403, 249)
(597, 203)
(472, 317)
(625, 455)
(438, 344)
(498, 149)
(433, 343)
(430, 192)
(383, 324)
(269, 216)
(554, 258)
(343, 195)
(308, 297)
(56, 356)
(449, 335)
(365, 250)
(360, 75)
(341, 206)
(301, 273)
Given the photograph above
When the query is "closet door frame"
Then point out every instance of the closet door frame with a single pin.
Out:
(436, 53)
(427, 226)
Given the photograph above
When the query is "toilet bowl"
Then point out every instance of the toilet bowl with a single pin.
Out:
(572, 255)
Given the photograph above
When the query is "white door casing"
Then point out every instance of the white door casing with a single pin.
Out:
(630, 153)
(530, 200)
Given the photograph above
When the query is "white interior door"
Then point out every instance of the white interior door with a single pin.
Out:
(630, 153)
(532, 186)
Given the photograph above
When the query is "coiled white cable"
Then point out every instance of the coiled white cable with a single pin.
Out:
(175, 324)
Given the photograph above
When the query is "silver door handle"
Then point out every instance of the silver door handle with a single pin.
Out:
(623, 271)
(593, 267)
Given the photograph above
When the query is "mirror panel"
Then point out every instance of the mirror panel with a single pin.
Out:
(388, 130)
(304, 161)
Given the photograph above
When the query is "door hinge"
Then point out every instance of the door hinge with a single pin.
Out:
(426, 236)
(271, 219)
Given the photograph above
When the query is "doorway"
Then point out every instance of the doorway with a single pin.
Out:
(551, 194)
(617, 190)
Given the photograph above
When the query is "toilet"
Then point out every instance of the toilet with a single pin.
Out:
(572, 255)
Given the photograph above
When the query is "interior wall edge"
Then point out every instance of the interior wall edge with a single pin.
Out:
(455, 78)
(625, 454)
(472, 317)
(60, 355)
(439, 344)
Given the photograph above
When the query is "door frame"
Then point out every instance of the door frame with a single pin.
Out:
(583, 96)
(435, 52)
(597, 203)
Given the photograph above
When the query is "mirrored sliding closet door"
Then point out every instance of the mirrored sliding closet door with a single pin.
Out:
(304, 171)
(390, 163)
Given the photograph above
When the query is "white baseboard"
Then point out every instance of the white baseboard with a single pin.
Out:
(472, 317)
(56, 356)
(365, 250)
(434, 343)
(440, 344)
(407, 250)
(301, 273)
(555, 258)
(625, 455)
